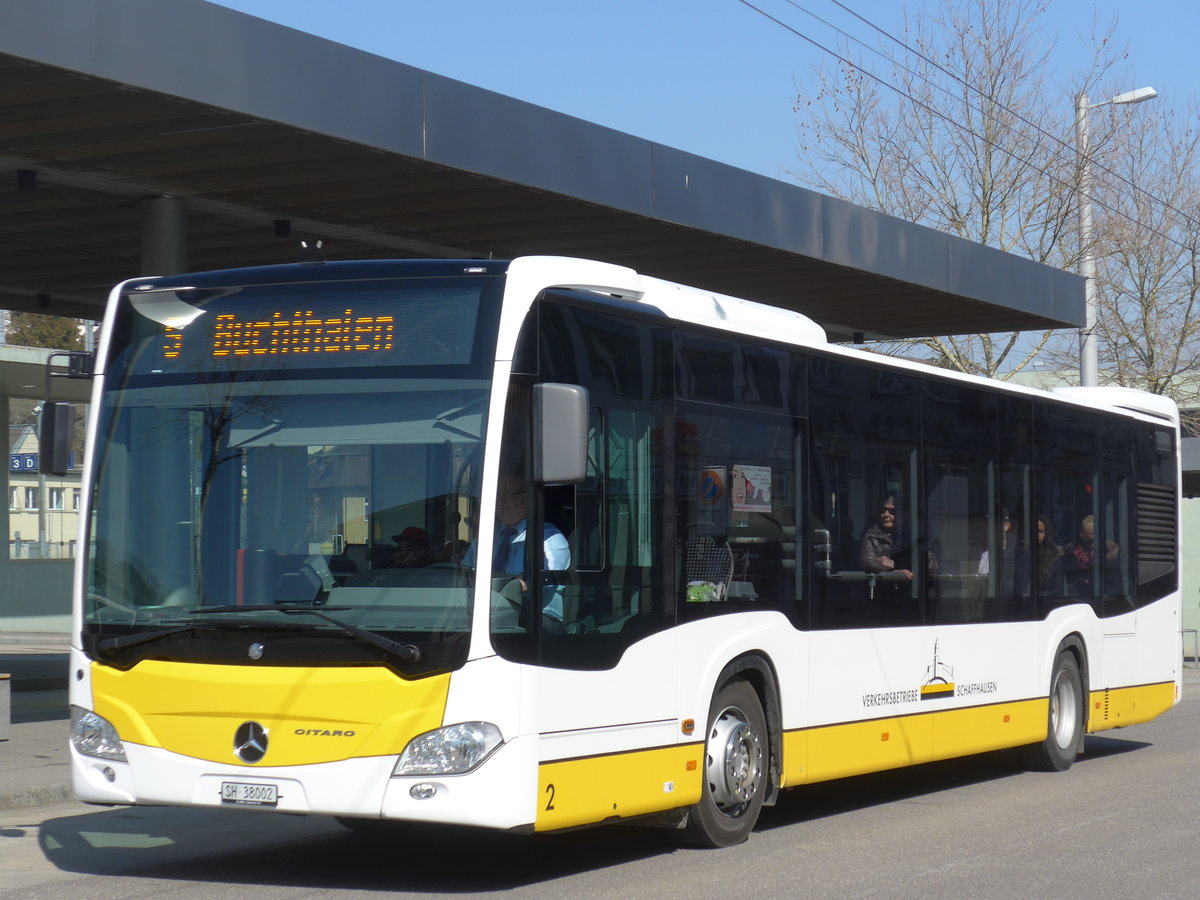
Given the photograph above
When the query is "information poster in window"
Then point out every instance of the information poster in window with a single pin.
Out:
(751, 489)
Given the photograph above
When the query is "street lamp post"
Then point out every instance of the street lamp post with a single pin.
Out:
(1089, 373)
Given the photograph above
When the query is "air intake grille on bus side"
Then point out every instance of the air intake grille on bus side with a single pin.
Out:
(1156, 536)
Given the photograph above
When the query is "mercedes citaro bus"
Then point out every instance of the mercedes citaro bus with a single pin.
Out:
(778, 560)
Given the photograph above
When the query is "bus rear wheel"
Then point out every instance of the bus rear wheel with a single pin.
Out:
(1065, 719)
(736, 766)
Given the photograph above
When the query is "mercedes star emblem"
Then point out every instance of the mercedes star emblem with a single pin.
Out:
(250, 742)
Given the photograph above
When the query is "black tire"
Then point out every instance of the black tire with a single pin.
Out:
(1064, 719)
(736, 769)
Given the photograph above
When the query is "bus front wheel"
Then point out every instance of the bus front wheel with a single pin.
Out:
(1065, 719)
(736, 756)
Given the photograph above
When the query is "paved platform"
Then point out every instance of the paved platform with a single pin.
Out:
(34, 763)
(34, 767)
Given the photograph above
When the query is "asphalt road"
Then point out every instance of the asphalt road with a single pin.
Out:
(1124, 822)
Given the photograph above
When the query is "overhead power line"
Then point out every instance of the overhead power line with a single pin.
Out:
(937, 113)
(952, 74)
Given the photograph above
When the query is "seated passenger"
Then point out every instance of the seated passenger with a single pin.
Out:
(413, 549)
(878, 542)
(1082, 559)
(508, 551)
(1049, 560)
(508, 548)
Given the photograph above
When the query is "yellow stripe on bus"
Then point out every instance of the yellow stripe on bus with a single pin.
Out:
(1119, 707)
(592, 789)
(312, 715)
(857, 748)
(589, 790)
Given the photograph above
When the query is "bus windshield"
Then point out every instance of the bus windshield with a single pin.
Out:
(305, 470)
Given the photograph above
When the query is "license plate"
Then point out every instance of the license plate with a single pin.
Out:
(241, 793)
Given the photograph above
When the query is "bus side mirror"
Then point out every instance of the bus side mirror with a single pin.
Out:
(560, 416)
(54, 437)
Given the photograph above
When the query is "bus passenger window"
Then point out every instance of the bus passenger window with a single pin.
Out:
(736, 509)
(1069, 499)
(974, 517)
(866, 521)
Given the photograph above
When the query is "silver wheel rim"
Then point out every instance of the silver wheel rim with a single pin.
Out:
(1063, 711)
(734, 763)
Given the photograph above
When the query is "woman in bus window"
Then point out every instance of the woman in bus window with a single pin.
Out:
(878, 542)
(1049, 560)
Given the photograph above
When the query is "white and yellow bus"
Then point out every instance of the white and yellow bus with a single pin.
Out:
(765, 560)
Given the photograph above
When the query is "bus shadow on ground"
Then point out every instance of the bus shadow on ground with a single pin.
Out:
(233, 847)
(830, 798)
(1097, 747)
(248, 848)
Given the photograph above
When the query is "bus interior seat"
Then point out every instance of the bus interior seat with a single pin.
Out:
(708, 560)
(381, 556)
(341, 567)
(353, 559)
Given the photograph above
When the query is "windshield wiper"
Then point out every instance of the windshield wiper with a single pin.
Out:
(262, 607)
(145, 637)
(404, 652)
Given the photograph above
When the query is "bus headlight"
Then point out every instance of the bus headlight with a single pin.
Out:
(93, 735)
(452, 750)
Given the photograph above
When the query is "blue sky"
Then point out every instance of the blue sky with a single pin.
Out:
(708, 76)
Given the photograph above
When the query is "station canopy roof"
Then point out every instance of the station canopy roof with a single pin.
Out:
(113, 101)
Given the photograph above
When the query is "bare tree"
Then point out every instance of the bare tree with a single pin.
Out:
(974, 141)
(1147, 240)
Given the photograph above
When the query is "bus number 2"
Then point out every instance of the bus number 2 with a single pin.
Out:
(550, 800)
